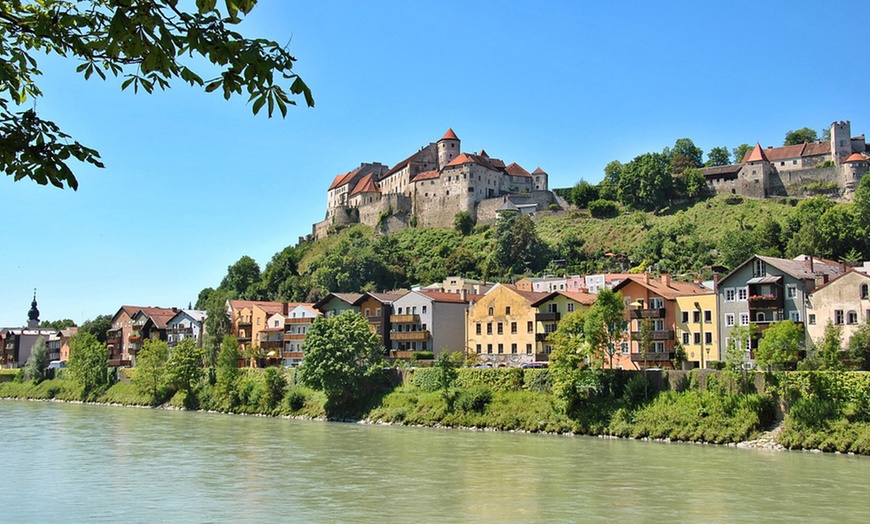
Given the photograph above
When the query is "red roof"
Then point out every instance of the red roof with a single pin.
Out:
(855, 158)
(426, 175)
(756, 155)
(449, 135)
(367, 184)
(346, 178)
(515, 169)
(539, 171)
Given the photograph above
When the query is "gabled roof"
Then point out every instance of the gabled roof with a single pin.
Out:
(798, 269)
(383, 298)
(401, 165)
(817, 148)
(455, 298)
(587, 299)
(426, 175)
(346, 178)
(367, 184)
(531, 296)
(347, 298)
(515, 169)
(196, 314)
(714, 171)
(468, 158)
(657, 286)
(774, 154)
(159, 315)
(262, 304)
(835, 279)
(270, 308)
(449, 135)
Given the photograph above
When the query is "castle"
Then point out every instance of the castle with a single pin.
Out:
(832, 166)
(430, 187)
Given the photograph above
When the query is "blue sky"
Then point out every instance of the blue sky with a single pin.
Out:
(193, 182)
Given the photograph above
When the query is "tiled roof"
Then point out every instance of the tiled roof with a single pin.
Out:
(775, 154)
(849, 271)
(817, 148)
(798, 268)
(587, 299)
(657, 286)
(159, 315)
(531, 296)
(346, 178)
(426, 175)
(756, 155)
(539, 171)
(367, 184)
(401, 165)
(449, 135)
(515, 169)
(715, 171)
(441, 296)
(855, 157)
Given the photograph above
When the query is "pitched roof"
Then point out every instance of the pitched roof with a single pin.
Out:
(798, 268)
(855, 157)
(515, 169)
(656, 285)
(838, 277)
(449, 135)
(756, 155)
(401, 165)
(531, 296)
(239, 304)
(346, 178)
(367, 184)
(714, 171)
(817, 148)
(587, 299)
(347, 298)
(468, 158)
(539, 171)
(130, 310)
(426, 175)
(441, 296)
(159, 315)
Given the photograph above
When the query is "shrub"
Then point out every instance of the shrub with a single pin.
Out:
(603, 208)
(295, 399)
(422, 355)
(537, 380)
(473, 400)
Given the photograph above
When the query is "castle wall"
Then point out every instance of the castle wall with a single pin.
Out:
(791, 183)
(486, 209)
(369, 214)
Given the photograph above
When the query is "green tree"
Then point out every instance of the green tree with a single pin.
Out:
(280, 278)
(859, 346)
(150, 371)
(445, 374)
(150, 44)
(464, 262)
(862, 205)
(582, 193)
(216, 326)
(718, 156)
(736, 246)
(738, 343)
(608, 188)
(57, 324)
(685, 154)
(740, 152)
(605, 323)
(463, 222)
(35, 367)
(829, 349)
(800, 136)
(184, 369)
(228, 372)
(779, 345)
(242, 279)
(690, 183)
(275, 386)
(98, 327)
(518, 247)
(202, 298)
(570, 351)
(646, 182)
(88, 359)
(341, 352)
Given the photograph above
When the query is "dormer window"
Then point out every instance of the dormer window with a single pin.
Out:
(758, 269)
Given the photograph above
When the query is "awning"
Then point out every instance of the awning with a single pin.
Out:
(272, 354)
(765, 280)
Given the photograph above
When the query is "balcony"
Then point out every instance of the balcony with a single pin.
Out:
(765, 302)
(293, 337)
(654, 335)
(399, 354)
(548, 317)
(405, 319)
(293, 354)
(409, 335)
(652, 356)
(298, 321)
(272, 344)
(541, 337)
(542, 357)
(647, 313)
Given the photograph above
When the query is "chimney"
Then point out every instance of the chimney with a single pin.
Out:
(821, 279)
(716, 282)
(646, 277)
(464, 293)
(666, 279)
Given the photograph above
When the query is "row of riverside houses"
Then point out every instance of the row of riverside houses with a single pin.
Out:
(510, 324)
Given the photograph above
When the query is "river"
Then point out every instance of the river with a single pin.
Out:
(86, 463)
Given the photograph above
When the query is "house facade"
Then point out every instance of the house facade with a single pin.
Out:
(501, 328)
(843, 301)
(296, 326)
(428, 320)
(186, 323)
(551, 310)
(697, 328)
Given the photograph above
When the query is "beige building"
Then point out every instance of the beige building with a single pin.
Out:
(697, 328)
(843, 301)
(501, 328)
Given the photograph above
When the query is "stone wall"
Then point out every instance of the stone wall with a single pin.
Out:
(791, 183)
(396, 204)
(486, 209)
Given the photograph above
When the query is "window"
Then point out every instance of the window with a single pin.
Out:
(812, 319)
(500, 349)
(507, 310)
(500, 328)
(708, 316)
(696, 338)
(685, 339)
(513, 328)
(838, 316)
(658, 324)
(623, 347)
(696, 317)
(570, 307)
(730, 294)
(795, 316)
(852, 317)
(658, 347)
(552, 308)
(478, 349)
(729, 319)
(791, 291)
(530, 326)
(708, 338)
(865, 292)
(514, 348)
(368, 313)
(489, 328)
(742, 294)
(744, 319)
(424, 309)
(378, 312)
(528, 349)
(477, 328)
(490, 311)
(685, 317)
(489, 349)
(758, 268)
(549, 328)
(258, 321)
(656, 303)
(760, 316)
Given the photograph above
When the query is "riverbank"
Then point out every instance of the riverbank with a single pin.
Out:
(820, 410)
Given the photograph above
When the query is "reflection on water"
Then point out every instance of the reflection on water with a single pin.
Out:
(70, 462)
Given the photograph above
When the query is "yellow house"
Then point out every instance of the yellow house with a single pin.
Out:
(550, 311)
(501, 327)
(697, 329)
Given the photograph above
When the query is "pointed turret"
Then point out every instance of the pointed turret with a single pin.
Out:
(448, 148)
(756, 155)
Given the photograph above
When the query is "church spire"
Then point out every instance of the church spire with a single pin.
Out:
(33, 314)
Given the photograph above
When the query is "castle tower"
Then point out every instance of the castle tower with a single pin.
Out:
(841, 141)
(540, 179)
(854, 168)
(33, 314)
(448, 148)
(753, 176)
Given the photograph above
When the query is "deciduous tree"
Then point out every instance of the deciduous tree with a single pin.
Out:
(150, 371)
(605, 323)
(34, 369)
(800, 136)
(779, 345)
(88, 363)
(98, 327)
(184, 369)
(148, 43)
(463, 222)
(718, 156)
(646, 182)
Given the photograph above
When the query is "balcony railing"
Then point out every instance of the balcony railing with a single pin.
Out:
(298, 320)
(652, 356)
(647, 313)
(272, 344)
(654, 335)
(404, 355)
(293, 354)
(288, 337)
(409, 335)
(765, 303)
(405, 319)
(548, 317)
(541, 337)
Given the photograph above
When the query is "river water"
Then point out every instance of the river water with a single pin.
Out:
(84, 463)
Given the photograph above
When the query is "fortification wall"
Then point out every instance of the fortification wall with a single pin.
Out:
(792, 183)
(486, 209)
(370, 214)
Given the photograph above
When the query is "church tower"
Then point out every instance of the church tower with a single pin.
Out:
(448, 148)
(33, 314)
